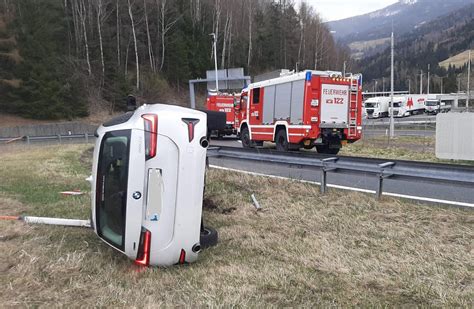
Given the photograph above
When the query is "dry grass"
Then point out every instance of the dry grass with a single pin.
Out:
(457, 60)
(402, 148)
(304, 249)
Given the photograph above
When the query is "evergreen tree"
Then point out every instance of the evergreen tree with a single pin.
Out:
(49, 86)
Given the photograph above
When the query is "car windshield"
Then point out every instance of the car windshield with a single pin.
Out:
(112, 176)
(431, 103)
(370, 104)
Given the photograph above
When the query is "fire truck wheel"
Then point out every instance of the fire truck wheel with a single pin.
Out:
(208, 237)
(245, 138)
(281, 140)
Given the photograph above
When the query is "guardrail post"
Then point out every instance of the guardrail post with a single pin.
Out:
(59, 138)
(27, 139)
(324, 171)
(87, 138)
(381, 177)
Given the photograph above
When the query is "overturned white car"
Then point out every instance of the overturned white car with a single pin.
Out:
(147, 184)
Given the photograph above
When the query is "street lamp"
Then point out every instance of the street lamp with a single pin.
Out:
(409, 86)
(215, 58)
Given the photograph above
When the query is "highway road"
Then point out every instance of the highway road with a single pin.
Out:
(232, 141)
(460, 194)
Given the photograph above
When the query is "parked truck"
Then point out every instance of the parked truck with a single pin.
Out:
(376, 107)
(412, 104)
(321, 109)
(435, 104)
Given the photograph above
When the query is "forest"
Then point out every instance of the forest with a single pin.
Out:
(66, 59)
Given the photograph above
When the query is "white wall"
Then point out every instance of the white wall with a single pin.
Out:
(455, 136)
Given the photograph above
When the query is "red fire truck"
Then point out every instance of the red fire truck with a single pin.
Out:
(307, 109)
(224, 103)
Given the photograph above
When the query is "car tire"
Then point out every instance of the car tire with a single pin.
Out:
(281, 141)
(208, 238)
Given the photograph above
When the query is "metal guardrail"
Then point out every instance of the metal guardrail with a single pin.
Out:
(59, 138)
(382, 169)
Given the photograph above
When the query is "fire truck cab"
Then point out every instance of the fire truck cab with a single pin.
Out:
(307, 109)
(224, 103)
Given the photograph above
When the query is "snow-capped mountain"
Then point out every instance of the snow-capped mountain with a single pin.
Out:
(405, 16)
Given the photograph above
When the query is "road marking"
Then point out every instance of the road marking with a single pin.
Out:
(418, 198)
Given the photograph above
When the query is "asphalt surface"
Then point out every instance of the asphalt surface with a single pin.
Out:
(232, 141)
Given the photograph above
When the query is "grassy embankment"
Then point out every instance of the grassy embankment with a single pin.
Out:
(339, 249)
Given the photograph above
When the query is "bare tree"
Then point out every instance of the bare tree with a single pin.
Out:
(117, 11)
(150, 48)
(137, 63)
(166, 25)
(83, 15)
(249, 54)
(226, 37)
(100, 19)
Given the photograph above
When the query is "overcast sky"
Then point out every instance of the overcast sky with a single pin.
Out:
(339, 9)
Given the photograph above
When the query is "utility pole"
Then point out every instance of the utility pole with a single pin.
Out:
(428, 89)
(392, 125)
(215, 58)
(421, 82)
(409, 86)
(468, 81)
(344, 69)
(383, 85)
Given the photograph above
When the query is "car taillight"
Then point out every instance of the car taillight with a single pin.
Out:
(190, 122)
(143, 255)
(151, 134)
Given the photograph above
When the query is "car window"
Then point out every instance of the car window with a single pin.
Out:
(112, 179)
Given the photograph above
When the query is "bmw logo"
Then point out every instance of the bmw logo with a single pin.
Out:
(136, 195)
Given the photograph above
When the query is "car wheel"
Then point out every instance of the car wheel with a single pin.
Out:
(245, 138)
(281, 141)
(208, 237)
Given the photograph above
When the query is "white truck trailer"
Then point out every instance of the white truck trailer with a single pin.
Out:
(376, 107)
(411, 104)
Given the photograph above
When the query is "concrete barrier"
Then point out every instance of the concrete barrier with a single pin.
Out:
(455, 136)
(48, 129)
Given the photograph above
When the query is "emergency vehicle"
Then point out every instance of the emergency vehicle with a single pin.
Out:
(321, 109)
(223, 103)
